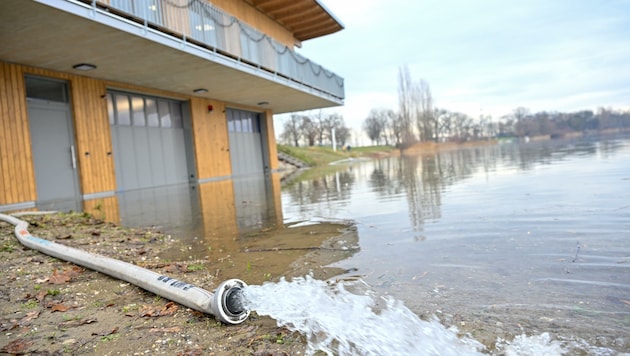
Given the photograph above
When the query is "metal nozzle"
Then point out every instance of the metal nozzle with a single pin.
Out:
(227, 305)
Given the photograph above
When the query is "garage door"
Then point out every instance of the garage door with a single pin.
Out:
(148, 140)
(247, 152)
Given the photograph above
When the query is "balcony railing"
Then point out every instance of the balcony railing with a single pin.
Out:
(200, 23)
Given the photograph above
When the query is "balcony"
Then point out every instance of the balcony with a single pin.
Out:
(173, 45)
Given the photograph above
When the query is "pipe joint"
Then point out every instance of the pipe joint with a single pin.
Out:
(227, 302)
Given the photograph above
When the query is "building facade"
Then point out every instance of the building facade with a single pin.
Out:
(100, 100)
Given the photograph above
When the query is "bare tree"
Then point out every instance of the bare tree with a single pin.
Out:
(423, 104)
(320, 122)
(395, 129)
(375, 125)
(406, 106)
(291, 132)
(342, 135)
(520, 113)
(335, 121)
(444, 124)
(461, 126)
(309, 129)
(390, 117)
(506, 126)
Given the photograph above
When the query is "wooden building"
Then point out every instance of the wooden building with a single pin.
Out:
(99, 99)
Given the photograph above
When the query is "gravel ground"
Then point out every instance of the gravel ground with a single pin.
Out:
(52, 307)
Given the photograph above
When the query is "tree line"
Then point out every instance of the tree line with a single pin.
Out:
(315, 128)
(418, 120)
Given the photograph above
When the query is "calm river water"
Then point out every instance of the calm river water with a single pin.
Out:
(495, 240)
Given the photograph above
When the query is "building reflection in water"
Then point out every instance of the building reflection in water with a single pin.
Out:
(236, 227)
(224, 207)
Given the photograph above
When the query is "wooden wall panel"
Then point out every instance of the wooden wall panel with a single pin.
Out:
(17, 178)
(251, 16)
(23, 134)
(93, 138)
(271, 140)
(211, 140)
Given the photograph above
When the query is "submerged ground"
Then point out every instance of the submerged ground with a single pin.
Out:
(53, 307)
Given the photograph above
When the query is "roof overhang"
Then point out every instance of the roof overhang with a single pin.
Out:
(306, 19)
(56, 35)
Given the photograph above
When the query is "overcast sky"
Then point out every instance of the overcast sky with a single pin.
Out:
(480, 56)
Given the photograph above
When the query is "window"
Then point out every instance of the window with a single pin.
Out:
(165, 114)
(243, 121)
(152, 113)
(176, 114)
(123, 115)
(137, 103)
(46, 89)
(110, 109)
(141, 111)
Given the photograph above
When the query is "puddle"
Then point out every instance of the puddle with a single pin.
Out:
(291, 250)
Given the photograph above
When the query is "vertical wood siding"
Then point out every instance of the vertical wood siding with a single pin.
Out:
(17, 178)
(93, 138)
(253, 17)
(271, 140)
(91, 125)
(212, 146)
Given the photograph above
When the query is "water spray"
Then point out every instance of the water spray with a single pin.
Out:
(225, 303)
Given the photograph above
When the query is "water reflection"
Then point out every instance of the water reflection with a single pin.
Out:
(236, 227)
(488, 235)
(485, 237)
(335, 187)
(417, 178)
(422, 179)
(257, 202)
(170, 206)
(224, 207)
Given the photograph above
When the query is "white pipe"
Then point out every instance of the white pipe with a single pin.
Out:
(223, 304)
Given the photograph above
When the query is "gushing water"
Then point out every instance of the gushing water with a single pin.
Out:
(339, 322)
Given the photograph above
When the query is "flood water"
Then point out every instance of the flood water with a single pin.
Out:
(495, 240)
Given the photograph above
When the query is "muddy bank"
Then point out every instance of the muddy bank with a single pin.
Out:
(49, 306)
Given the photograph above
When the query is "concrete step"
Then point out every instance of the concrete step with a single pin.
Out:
(291, 160)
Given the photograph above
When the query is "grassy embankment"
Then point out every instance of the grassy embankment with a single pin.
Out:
(320, 156)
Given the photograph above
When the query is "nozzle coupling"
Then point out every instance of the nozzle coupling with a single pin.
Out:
(227, 302)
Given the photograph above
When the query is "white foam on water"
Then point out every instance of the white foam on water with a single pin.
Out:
(524, 345)
(338, 320)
